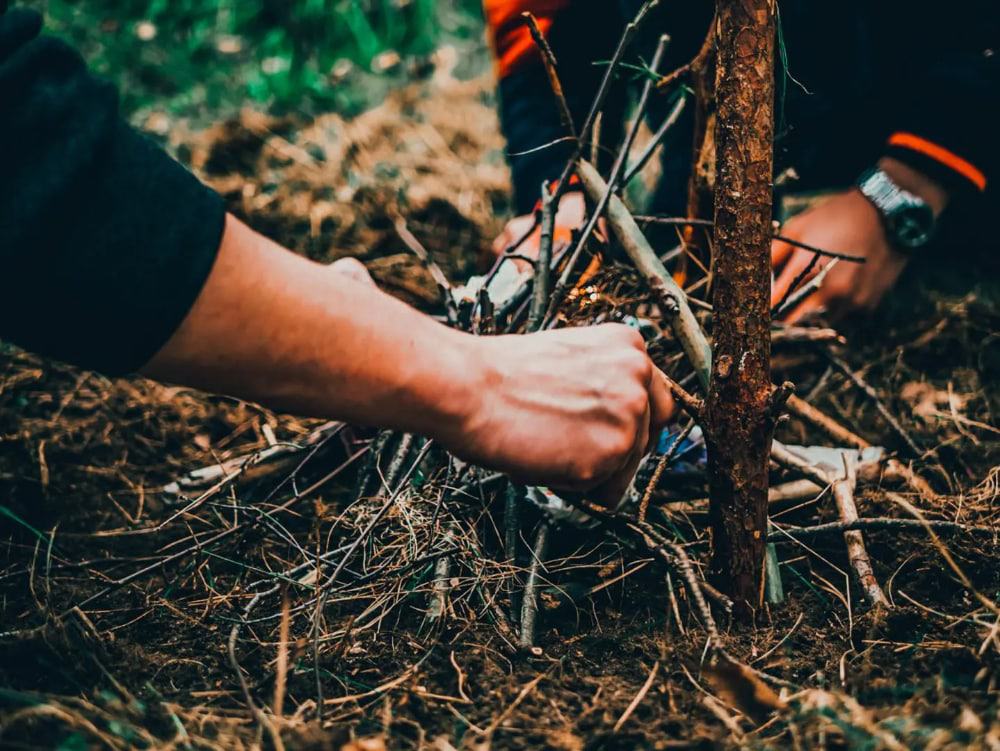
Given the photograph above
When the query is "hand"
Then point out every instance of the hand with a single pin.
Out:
(847, 223)
(569, 216)
(574, 409)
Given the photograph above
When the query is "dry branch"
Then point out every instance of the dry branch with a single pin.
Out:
(549, 62)
(857, 553)
(529, 605)
(843, 492)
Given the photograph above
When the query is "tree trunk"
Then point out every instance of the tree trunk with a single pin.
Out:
(737, 410)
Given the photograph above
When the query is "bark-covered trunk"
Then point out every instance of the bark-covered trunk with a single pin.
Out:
(739, 428)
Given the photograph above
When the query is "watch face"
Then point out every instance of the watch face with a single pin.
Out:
(912, 226)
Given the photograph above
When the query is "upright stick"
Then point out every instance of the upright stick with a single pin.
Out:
(738, 420)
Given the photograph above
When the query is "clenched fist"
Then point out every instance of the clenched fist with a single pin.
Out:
(574, 409)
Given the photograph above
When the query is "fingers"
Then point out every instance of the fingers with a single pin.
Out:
(612, 490)
(661, 401)
(659, 410)
(790, 273)
(780, 253)
(501, 241)
(811, 305)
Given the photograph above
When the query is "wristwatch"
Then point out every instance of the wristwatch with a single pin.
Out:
(908, 220)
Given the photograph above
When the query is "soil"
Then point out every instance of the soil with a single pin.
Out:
(410, 652)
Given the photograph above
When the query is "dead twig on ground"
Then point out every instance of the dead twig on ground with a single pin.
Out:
(857, 553)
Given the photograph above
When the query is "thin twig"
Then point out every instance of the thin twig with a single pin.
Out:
(661, 133)
(443, 285)
(616, 169)
(638, 697)
(529, 605)
(682, 221)
(877, 524)
(549, 62)
(540, 291)
(857, 553)
(868, 391)
(661, 465)
(778, 308)
(795, 297)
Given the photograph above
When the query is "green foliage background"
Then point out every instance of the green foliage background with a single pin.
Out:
(206, 58)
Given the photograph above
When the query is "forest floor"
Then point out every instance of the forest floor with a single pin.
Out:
(134, 618)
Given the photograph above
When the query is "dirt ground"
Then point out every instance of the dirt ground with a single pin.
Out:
(132, 617)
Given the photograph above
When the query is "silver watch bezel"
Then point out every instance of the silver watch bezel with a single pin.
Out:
(901, 211)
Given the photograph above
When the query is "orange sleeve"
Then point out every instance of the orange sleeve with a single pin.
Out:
(940, 154)
(511, 40)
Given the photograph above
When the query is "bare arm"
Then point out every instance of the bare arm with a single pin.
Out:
(572, 408)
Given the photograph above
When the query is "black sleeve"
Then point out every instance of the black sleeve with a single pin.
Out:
(538, 148)
(945, 122)
(105, 242)
(529, 119)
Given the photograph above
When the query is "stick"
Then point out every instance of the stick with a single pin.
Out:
(843, 492)
(549, 61)
(616, 168)
(689, 403)
(661, 465)
(828, 425)
(781, 455)
(396, 465)
(529, 606)
(673, 301)
(795, 334)
(876, 524)
(782, 304)
(674, 556)
(602, 93)
(792, 299)
(638, 697)
(438, 606)
(204, 477)
(619, 164)
(281, 667)
(443, 285)
(512, 531)
(857, 553)
(671, 120)
(540, 292)
(894, 469)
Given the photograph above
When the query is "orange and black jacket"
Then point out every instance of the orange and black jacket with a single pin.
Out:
(857, 79)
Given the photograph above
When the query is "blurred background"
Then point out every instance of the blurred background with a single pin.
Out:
(204, 59)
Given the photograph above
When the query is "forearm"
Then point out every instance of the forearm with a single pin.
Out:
(274, 327)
